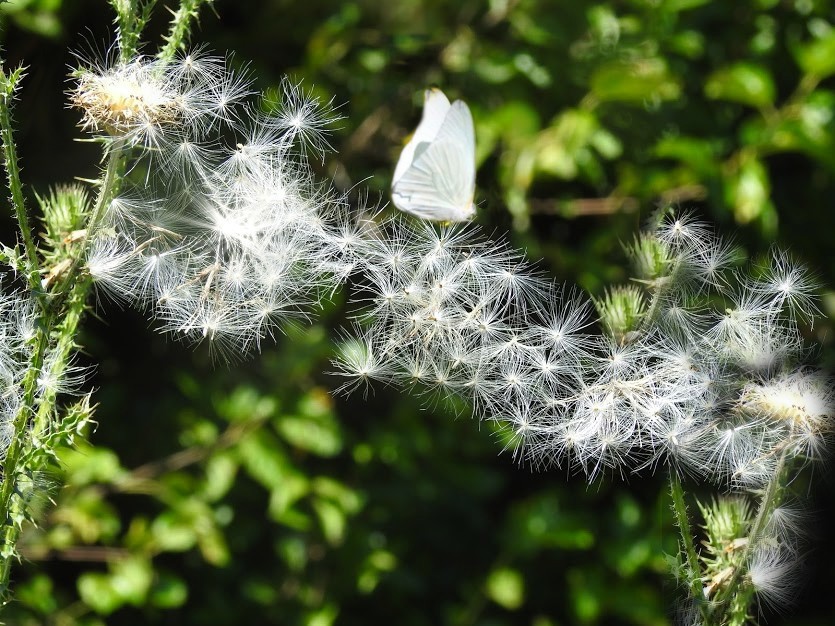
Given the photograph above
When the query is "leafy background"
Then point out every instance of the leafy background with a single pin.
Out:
(250, 494)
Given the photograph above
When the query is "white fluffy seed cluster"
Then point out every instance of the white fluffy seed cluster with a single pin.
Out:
(716, 391)
(226, 235)
(17, 328)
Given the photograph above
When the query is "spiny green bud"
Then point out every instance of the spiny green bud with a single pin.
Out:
(726, 523)
(650, 257)
(64, 210)
(621, 309)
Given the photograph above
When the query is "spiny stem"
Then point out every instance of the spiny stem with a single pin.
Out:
(131, 18)
(693, 570)
(8, 84)
(770, 500)
(9, 520)
(66, 331)
(107, 189)
(59, 320)
(181, 21)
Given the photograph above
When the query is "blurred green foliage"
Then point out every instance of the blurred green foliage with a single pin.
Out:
(251, 495)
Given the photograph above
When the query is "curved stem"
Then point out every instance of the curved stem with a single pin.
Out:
(11, 513)
(693, 569)
(770, 500)
(179, 28)
(58, 323)
(12, 165)
(108, 188)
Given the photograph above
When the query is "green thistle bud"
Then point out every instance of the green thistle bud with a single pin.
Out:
(621, 309)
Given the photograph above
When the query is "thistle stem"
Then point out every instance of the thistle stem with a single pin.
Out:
(8, 85)
(57, 323)
(693, 570)
(179, 28)
(770, 500)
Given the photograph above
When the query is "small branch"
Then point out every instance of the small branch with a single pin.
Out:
(583, 206)
(87, 554)
(137, 481)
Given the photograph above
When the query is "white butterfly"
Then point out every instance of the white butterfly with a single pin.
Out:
(435, 175)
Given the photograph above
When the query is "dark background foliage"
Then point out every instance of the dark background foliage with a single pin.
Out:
(249, 494)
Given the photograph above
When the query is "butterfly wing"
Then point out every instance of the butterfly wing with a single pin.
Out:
(458, 127)
(435, 109)
(440, 183)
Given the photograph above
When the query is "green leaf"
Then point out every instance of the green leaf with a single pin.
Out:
(245, 404)
(748, 189)
(535, 72)
(746, 83)
(88, 464)
(323, 616)
(348, 499)
(682, 5)
(688, 149)
(568, 148)
(376, 564)
(220, 476)
(98, 593)
(317, 436)
(37, 593)
(700, 154)
(637, 82)
(506, 587)
(689, 43)
(262, 456)
(586, 595)
(173, 533)
(494, 71)
(332, 521)
(90, 517)
(817, 57)
(131, 579)
(542, 523)
(168, 592)
(284, 496)
(212, 544)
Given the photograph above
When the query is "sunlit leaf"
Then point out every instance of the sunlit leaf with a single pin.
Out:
(745, 83)
(817, 57)
(98, 593)
(748, 190)
(168, 592)
(131, 579)
(638, 82)
(506, 587)
(173, 532)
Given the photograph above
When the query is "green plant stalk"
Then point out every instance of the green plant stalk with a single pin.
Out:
(693, 570)
(66, 330)
(61, 317)
(694, 582)
(131, 18)
(12, 166)
(770, 500)
(109, 186)
(179, 28)
(9, 508)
